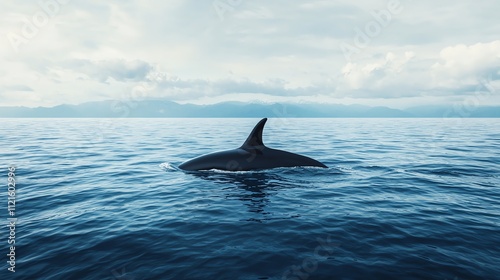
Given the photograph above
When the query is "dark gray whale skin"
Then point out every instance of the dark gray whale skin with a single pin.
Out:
(252, 155)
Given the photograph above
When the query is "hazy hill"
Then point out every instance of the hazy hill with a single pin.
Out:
(162, 108)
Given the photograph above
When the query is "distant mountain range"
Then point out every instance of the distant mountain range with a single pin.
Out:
(169, 109)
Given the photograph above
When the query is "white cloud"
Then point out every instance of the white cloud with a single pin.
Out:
(384, 77)
(458, 70)
(464, 65)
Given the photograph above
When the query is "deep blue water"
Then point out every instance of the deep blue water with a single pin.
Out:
(402, 199)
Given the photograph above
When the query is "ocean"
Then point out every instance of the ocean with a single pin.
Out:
(104, 199)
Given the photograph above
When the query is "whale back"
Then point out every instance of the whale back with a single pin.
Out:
(252, 155)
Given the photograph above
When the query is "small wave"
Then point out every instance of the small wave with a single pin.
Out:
(233, 171)
(167, 166)
(292, 169)
(452, 171)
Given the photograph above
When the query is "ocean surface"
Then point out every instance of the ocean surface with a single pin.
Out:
(401, 199)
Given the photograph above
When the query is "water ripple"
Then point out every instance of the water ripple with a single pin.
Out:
(423, 203)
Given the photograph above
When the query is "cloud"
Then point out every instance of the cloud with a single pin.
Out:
(395, 75)
(117, 69)
(461, 65)
(458, 70)
(183, 50)
(18, 88)
(378, 73)
(164, 85)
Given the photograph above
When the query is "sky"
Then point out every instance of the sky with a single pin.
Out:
(395, 53)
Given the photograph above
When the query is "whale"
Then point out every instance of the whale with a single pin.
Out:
(252, 155)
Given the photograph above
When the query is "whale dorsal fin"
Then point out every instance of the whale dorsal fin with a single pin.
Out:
(254, 140)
